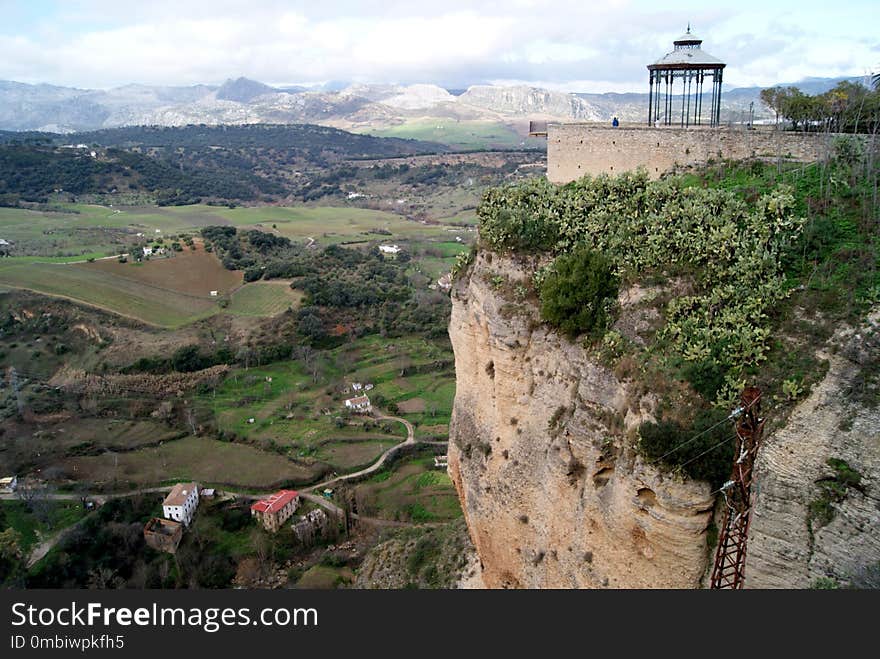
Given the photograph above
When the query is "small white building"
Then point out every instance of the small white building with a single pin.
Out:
(148, 251)
(356, 386)
(181, 503)
(389, 249)
(215, 293)
(359, 405)
(8, 484)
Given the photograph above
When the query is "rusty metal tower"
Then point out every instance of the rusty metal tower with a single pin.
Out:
(730, 559)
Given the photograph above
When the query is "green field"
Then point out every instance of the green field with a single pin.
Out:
(193, 458)
(461, 134)
(154, 305)
(262, 299)
(100, 231)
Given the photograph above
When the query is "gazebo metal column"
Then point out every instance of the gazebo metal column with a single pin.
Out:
(689, 62)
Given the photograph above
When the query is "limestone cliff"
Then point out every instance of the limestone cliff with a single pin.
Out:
(555, 497)
(551, 496)
(799, 531)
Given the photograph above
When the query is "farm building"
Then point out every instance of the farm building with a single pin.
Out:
(359, 404)
(275, 509)
(311, 526)
(181, 503)
(163, 534)
(389, 249)
(8, 484)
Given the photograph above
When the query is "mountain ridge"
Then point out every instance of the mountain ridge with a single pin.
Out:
(46, 107)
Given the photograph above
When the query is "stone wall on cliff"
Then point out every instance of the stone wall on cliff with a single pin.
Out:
(577, 149)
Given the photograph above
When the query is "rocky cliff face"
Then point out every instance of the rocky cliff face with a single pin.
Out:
(807, 523)
(551, 495)
(554, 497)
(522, 100)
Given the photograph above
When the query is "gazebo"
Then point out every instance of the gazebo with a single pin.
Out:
(690, 63)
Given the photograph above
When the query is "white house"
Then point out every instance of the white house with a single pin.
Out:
(389, 249)
(359, 404)
(356, 386)
(8, 484)
(181, 503)
(148, 251)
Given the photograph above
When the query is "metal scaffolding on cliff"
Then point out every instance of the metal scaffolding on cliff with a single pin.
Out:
(730, 558)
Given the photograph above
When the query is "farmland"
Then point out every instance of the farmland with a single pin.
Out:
(193, 273)
(95, 287)
(192, 458)
(51, 249)
(412, 490)
(81, 230)
(460, 134)
(263, 299)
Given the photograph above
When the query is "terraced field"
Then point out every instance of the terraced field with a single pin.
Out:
(412, 490)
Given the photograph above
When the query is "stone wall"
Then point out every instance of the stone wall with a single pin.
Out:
(574, 150)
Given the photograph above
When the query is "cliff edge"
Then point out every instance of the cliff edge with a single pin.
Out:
(552, 496)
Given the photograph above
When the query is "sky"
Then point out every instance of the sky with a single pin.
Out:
(570, 45)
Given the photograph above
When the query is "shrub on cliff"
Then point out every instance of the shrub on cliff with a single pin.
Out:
(704, 451)
(577, 292)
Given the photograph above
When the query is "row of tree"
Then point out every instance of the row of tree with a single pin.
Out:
(847, 108)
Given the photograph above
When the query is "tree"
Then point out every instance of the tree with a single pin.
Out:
(575, 295)
(773, 98)
(11, 557)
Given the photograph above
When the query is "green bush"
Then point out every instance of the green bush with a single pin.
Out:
(576, 293)
(708, 430)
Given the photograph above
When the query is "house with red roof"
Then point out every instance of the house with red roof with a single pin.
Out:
(275, 509)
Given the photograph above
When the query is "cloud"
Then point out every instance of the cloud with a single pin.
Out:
(104, 43)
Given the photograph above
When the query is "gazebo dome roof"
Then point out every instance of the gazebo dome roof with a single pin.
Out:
(691, 57)
(687, 54)
(687, 38)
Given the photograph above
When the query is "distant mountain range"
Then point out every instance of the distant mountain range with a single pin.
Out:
(353, 107)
